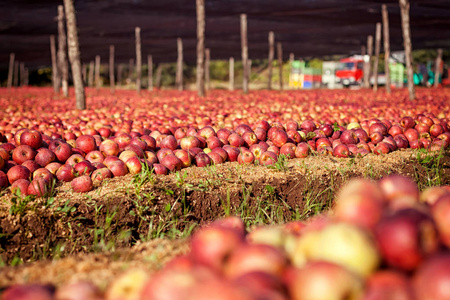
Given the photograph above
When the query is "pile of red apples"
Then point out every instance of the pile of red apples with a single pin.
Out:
(32, 160)
(382, 240)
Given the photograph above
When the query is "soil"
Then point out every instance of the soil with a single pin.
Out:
(143, 221)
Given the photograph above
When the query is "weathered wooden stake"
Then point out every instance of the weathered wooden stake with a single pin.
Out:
(10, 70)
(62, 49)
(16, 74)
(404, 9)
(387, 48)
(377, 56)
(97, 72)
(200, 6)
(437, 69)
(74, 54)
(270, 60)
(280, 63)
(367, 63)
(179, 72)
(22, 73)
(244, 48)
(91, 73)
(207, 61)
(138, 59)
(119, 74)
(55, 76)
(231, 75)
(150, 72)
(112, 80)
(158, 76)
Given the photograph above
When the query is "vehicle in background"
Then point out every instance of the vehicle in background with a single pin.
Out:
(351, 71)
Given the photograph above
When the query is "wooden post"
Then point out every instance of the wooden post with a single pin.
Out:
(231, 75)
(74, 54)
(377, 56)
(138, 59)
(207, 77)
(16, 74)
(112, 80)
(158, 76)
(119, 74)
(55, 76)
(91, 74)
(22, 73)
(280, 63)
(10, 70)
(244, 54)
(150, 72)
(387, 48)
(62, 58)
(130, 69)
(404, 9)
(200, 6)
(97, 72)
(367, 63)
(437, 67)
(270, 61)
(179, 72)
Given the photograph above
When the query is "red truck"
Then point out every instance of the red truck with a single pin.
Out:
(351, 71)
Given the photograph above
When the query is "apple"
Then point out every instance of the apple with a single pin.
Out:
(232, 152)
(257, 150)
(23, 153)
(302, 150)
(28, 292)
(65, 173)
(122, 140)
(171, 162)
(214, 142)
(431, 279)
(268, 158)
(82, 184)
(86, 143)
(382, 148)
(4, 154)
(260, 133)
(274, 149)
(95, 156)
(18, 172)
(83, 168)
(118, 168)
(242, 128)
(216, 158)
(127, 286)
(4, 180)
(432, 194)
(63, 151)
(44, 157)
(236, 140)
(141, 143)
(150, 156)
(169, 142)
(246, 157)
(279, 138)
(399, 191)
(150, 141)
(127, 154)
(134, 165)
(288, 150)
(189, 142)
(100, 174)
(31, 165)
(407, 122)
(20, 185)
(263, 124)
(43, 173)
(74, 159)
(223, 134)
(79, 290)
(160, 169)
(202, 160)
(109, 147)
(180, 133)
(184, 157)
(32, 138)
(207, 132)
(406, 238)
(136, 149)
(8, 147)
(38, 187)
(222, 153)
(308, 126)
(323, 280)
(388, 284)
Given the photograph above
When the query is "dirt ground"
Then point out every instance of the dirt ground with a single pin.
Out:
(142, 221)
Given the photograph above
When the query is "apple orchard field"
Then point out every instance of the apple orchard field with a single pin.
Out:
(165, 195)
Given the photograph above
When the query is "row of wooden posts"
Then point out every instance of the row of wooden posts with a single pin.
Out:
(60, 73)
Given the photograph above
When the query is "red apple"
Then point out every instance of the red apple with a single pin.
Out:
(86, 143)
(134, 165)
(100, 174)
(288, 150)
(44, 174)
(189, 142)
(28, 292)
(169, 142)
(118, 168)
(431, 280)
(95, 156)
(4, 180)
(268, 158)
(171, 162)
(19, 186)
(23, 153)
(83, 168)
(82, 184)
(63, 151)
(246, 156)
(32, 138)
(341, 150)
(279, 138)
(388, 284)
(202, 160)
(302, 150)
(38, 187)
(236, 140)
(18, 172)
(160, 169)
